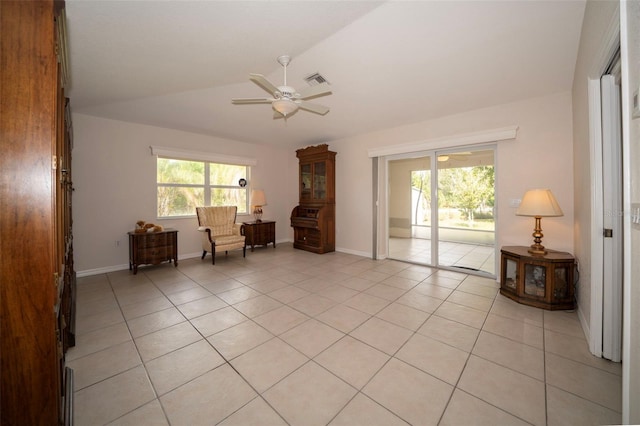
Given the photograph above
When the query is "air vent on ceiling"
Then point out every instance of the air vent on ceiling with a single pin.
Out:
(315, 79)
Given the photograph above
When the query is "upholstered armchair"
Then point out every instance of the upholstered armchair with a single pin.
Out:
(220, 231)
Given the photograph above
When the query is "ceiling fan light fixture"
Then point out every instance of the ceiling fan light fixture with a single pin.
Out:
(285, 106)
(286, 100)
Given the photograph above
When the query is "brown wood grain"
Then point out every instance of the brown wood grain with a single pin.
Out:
(29, 361)
(313, 220)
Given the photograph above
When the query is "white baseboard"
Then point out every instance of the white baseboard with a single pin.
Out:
(584, 324)
(354, 252)
(104, 270)
(115, 268)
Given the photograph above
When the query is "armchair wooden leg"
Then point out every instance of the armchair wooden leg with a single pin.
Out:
(213, 253)
(244, 251)
(204, 253)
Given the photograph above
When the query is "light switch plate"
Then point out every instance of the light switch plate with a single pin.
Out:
(635, 216)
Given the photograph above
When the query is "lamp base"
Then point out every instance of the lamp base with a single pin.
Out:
(537, 249)
(257, 214)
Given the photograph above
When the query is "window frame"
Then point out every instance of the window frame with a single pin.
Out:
(207, 159)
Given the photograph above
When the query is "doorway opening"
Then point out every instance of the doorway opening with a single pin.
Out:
(441, 209)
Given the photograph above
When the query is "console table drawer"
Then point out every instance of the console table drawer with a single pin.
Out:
(152, 240)
(152, 248)
(153, 255)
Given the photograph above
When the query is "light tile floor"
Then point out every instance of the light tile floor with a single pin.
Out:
(462, 255)
(290, 337)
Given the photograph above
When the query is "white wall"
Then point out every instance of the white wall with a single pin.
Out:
(589, 65)
(631, 363)
(114, 180)
(540, 156)
(114, 177)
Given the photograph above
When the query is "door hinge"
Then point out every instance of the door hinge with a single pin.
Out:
(608, 233)
(54, 163)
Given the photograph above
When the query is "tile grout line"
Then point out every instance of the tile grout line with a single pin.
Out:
(414, 332)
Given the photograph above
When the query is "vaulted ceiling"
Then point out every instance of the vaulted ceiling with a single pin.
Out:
(178, 64)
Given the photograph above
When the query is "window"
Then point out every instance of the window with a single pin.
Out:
(185, 184)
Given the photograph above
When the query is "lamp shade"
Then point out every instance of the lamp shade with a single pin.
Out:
(258, 198)
(285, 106)
(539, 203)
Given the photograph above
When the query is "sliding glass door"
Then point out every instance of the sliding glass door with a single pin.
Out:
(466, 220)
(409, 209)
(441, 209)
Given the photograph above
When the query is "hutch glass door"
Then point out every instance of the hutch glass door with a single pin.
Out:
(319, 180)
(305, 181)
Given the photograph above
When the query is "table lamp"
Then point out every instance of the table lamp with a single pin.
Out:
(538, 203)
(258, 200)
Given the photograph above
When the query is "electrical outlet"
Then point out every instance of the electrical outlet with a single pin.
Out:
(515, 202)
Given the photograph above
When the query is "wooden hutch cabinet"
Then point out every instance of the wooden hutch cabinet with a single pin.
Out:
(544, 281)
(313, 220)
(37, 295)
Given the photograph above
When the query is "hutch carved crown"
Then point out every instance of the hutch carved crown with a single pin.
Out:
(313, 220)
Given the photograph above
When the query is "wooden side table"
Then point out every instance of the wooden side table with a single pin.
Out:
(260, 233)
(544, 281)
(152, 248)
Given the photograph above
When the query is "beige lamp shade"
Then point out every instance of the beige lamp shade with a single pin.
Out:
(540, 203)
(258, 198)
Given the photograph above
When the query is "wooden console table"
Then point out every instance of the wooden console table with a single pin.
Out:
(152, 248)
(544, 281)
(260, 233)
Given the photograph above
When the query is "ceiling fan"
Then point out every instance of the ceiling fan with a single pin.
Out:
(285, 99)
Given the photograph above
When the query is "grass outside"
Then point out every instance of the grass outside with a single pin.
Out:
(478, 224)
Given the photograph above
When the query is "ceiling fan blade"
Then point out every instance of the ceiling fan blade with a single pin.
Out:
(264, 83)
(318, 109)
(315, 91)
(251, 101)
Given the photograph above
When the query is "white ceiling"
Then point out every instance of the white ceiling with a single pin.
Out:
(178, 64)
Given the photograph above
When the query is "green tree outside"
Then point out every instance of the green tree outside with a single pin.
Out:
(181, 186)
(468, 189)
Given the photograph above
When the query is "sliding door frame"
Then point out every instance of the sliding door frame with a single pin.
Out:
(469, 140)
(433, 155)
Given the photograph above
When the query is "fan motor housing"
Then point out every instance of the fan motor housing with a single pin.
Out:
(286, 91)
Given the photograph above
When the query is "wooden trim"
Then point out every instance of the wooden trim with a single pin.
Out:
(184, 154)
(466, 139)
